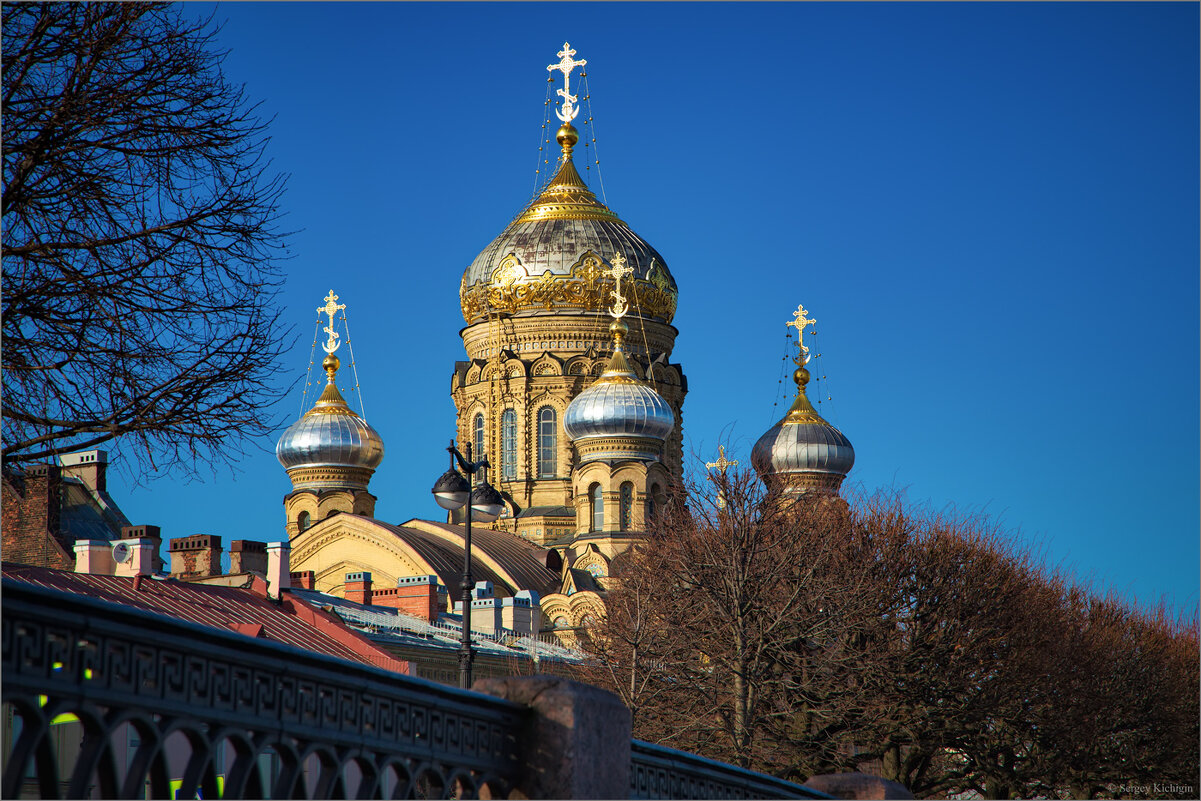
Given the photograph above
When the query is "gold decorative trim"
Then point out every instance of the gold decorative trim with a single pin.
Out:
(586, 288)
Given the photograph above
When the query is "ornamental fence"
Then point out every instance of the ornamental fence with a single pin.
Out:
(106, 701)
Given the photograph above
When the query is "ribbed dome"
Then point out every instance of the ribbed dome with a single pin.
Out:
(549, 258)
(330, 446)
(619, 416)
(803, 452)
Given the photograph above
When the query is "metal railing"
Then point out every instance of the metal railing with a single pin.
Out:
(659, 772)
(165, 708)
(107, 701)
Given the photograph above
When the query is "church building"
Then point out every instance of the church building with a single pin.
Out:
(568, 389)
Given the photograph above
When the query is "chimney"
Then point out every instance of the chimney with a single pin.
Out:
(88, 466)
(94, 557)
(246, 556)
(358, 588)
(138, 557)
(152, 533)
(304, 579)
(279, 577)
(195, 556)
(420, 596)
(521, 613)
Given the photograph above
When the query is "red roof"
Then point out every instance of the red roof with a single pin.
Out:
(244, 610)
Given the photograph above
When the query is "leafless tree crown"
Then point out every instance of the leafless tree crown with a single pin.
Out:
(140, 220)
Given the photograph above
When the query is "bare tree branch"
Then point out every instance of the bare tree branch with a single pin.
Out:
(140, 224)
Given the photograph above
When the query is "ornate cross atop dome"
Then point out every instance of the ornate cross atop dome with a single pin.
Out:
(566, 65)
(800, 319)
(331, 308)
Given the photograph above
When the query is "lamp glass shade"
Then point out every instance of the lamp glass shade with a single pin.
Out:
(486, 503)
(451, 490)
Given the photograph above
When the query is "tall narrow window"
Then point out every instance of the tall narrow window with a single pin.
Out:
(627, 505)
(508, 445)
(478, 443)
(598, 507)
(548, 441)
(304, 521)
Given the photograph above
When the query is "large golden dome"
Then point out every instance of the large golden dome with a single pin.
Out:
(549, 259)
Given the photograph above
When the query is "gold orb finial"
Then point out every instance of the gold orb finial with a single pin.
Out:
(801, 377)
(331, 363)
(567, 137)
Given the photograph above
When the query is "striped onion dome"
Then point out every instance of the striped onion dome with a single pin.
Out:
(618, 416)
(548, 260)
(330, 447)
(802, 452)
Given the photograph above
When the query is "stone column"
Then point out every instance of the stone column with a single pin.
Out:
(576, 742)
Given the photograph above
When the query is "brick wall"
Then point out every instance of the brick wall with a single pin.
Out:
(30, 508)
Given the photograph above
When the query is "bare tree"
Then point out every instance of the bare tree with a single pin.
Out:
(732, 617)
(139, 225)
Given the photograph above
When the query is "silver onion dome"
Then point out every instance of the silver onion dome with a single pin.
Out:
(619, 405)
(330, 446)
(803, 452)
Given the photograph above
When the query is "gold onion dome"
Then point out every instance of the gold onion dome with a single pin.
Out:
(548, 259)
(330, 446)
(802, 452)
(618, 416)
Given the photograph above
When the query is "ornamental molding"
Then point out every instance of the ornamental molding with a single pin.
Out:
(587, 287)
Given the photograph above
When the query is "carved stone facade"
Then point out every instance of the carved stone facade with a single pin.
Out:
(533, 363)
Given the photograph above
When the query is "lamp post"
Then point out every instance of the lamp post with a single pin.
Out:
(451, 491)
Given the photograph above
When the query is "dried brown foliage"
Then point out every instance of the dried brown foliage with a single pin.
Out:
(139, 220)
(812, 637)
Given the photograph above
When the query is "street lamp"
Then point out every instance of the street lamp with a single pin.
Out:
(452, 491)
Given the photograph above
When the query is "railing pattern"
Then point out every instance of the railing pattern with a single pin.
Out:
(166, 708)
(658, 772)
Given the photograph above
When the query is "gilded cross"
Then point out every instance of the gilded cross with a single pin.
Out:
(566, 65)
(618, 270)
(801, 319)
(331, 308)
(721, 464)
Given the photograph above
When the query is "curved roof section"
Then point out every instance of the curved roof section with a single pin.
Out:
(521, 559)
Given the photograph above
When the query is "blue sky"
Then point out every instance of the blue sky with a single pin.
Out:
(991, 210)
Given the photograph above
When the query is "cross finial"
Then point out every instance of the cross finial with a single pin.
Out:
(331, 308)
(722, 463)
(566, 65)
(801, 319)
(618, 269)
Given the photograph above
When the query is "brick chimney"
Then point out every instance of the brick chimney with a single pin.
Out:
(279, 576)
(247, 556)
(31, 518)
(304, 579)
(88, 466)
(358, 588)
(195, 556)
(419, 596)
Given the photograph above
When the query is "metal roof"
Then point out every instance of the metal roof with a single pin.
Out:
(291, 621)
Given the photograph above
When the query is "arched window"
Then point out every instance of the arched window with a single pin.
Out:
(650, 501)
(508, 445)
(548, 441)
(598, 507)
(478, 443)
(627, 505)
(304, 521)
